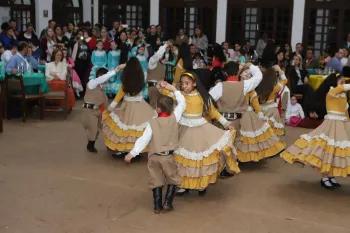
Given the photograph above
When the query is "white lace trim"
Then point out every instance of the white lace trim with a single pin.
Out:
(192, 122)
(191, 94)
(261, 115)
(336, 112)
(224, 140)
(223, 121)
(124, 127)
(336, 118)
(274, 122)
(113, 104)
(137, 98)
(254, 134)
(191, 115)
(250, 109)
(330, 141)
(268, 106)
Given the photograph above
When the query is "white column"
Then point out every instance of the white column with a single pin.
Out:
(40, 7)
(96, 6)
(154, 12)
(221, 17)
(298, 22)
(86, 10)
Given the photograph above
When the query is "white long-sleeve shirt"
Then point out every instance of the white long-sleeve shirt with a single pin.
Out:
(60, 70)
(248, 85)
(294, 110)
(146, 137)
(6, 56)
(153, 61)
(92, 84)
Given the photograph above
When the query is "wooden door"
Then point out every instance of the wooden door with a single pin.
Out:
(187, 15)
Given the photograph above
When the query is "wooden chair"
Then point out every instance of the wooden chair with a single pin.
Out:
(14, 87)
(60, 95)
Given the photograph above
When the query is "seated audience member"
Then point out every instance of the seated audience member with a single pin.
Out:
(219, 58)
(9, 39)
(198, 62)
(31, 60)
(295, 113)
(298, 78)
(299, 50)
(6, 56)
(345, 60)
(181, 38)
(335, 62)
(56, 74)
(347, 42)
(230, 52)
(240, 57)
(281, 60)
(311, 62)
(18, 59)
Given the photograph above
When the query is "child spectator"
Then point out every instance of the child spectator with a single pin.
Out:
(295, 113)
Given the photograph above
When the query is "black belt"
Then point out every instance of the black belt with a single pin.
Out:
(165, 153)
(231, 116)
(91, 106)
(151, 84)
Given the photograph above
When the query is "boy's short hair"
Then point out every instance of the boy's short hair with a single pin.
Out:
(165, 104)
(101, 71)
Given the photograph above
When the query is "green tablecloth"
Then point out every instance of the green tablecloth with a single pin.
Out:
(42, 68)
(30, 81)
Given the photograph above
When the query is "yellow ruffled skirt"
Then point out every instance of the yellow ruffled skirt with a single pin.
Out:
(125, 124)
(326, 149)
(201, 158)
(257, 140)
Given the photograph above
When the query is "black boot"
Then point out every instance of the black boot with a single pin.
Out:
(202, 193)
(157, 197)
(225, 174)
(91, 147)
(169, 197)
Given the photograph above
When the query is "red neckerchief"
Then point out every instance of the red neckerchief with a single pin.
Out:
(163, 114)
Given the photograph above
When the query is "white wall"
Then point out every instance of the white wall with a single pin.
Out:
(4, 14)
(154, 12)
(221, 18)
(96, 5)
(40, 6)
(298, 22)
(86, 10)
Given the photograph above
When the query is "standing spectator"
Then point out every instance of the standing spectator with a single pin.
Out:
(160, 32)
(345, 60)
(81, 58)
(36, 51)
(31, 59)
(268, 57)
(76, 83)
(105, 39)
(311, 62)
(200, 41)
(219, 58)
(152, 38)
(181, 38)
(61, 40)
(4, 28)
(48, 44)
(13, 25)
(115, 28)
(51, 24)
(6, 56)
(335, 62)
(289, 52)
(261, 45)
(124, 48)
(96, 33)
(87, 34)
(347, 42)
(299, 50)
(248, 50)
(70, 31)
(9, 39)
(28, 35)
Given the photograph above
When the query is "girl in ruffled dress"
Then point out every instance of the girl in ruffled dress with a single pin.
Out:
(267, 92)
(98, 59)
(144, 64)
(203, 148)
(77, 87)
(257, 139)
(122, 125)
(327, 148)
(113, 85)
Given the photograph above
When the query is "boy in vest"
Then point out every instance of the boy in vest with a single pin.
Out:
(95, 101)
(161, 136)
